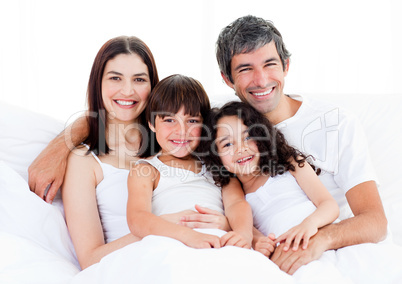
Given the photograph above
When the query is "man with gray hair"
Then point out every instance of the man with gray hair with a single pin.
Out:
(254, 61)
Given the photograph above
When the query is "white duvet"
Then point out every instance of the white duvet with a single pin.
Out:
(35, 248)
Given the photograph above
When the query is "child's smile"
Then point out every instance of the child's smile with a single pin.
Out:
(238, 153)
(178, 134)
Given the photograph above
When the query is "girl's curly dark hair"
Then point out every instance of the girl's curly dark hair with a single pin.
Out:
(276, 154)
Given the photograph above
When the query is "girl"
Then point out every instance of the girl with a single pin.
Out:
(286, 196)
(174, 179)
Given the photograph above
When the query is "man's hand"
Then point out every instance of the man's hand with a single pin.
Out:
(48, 169)
(289, 261)
(205, 218)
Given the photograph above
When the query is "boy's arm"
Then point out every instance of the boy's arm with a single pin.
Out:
(239, 215)
(50, 166)
(142, 222)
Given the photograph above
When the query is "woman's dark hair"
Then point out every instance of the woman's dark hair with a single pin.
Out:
(275, 153)
(172, 93)
(97, 118)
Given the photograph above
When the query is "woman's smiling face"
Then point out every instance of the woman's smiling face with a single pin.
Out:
(125, 87)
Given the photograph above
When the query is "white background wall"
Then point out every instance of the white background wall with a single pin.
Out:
(47, 46)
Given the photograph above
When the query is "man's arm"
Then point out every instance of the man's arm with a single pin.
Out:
(369, 225)
(50, 166)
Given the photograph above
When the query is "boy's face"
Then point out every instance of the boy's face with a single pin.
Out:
(258, 77)
(178, 134)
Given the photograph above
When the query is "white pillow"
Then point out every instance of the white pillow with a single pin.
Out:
(26, 215)
(24, 134)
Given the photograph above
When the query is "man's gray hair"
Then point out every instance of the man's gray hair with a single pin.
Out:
(247, 34)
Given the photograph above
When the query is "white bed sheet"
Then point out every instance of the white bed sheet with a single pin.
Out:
(35, 246)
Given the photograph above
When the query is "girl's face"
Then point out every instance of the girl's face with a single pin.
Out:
(238, 153)
(125, 87)
(178, 134)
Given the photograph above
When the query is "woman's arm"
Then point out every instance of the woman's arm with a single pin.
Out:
(327, 208)
(50, 165)
(204, 218)
(82, 215)
(239, 215)
(142, 222)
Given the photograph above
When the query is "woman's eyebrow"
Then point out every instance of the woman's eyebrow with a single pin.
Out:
(140, 74)
(114, 72)
(134, 75)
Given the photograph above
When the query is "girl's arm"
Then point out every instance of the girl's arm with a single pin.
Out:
(263, 244)
(239, 215)
(82, 215)
(327, 208)
(142, 222)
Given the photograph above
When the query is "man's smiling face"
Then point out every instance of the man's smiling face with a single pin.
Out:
(259, 77)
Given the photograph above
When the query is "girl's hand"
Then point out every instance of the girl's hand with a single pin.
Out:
(205, 218)
(199, 240)
(233, 238)
(304, 232)
(265, 245)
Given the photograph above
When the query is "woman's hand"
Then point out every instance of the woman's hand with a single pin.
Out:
(204, 218)
(176, 217)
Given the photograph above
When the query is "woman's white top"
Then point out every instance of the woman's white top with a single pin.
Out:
(112, 195)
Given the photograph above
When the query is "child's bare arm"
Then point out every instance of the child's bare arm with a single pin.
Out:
(263, 244)
(327, 208)
(142, 222)
(239, 215)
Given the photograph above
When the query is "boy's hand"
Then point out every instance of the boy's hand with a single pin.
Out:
(200, 240)
(265, 245)
(233, 238)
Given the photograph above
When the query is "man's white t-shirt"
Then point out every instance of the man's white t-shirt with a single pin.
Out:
(336, 140)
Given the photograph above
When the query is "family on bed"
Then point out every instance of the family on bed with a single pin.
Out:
(153, 158)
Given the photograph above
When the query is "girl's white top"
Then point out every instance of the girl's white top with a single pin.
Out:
(279, 205)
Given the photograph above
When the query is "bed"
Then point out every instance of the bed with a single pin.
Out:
(35, 246)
